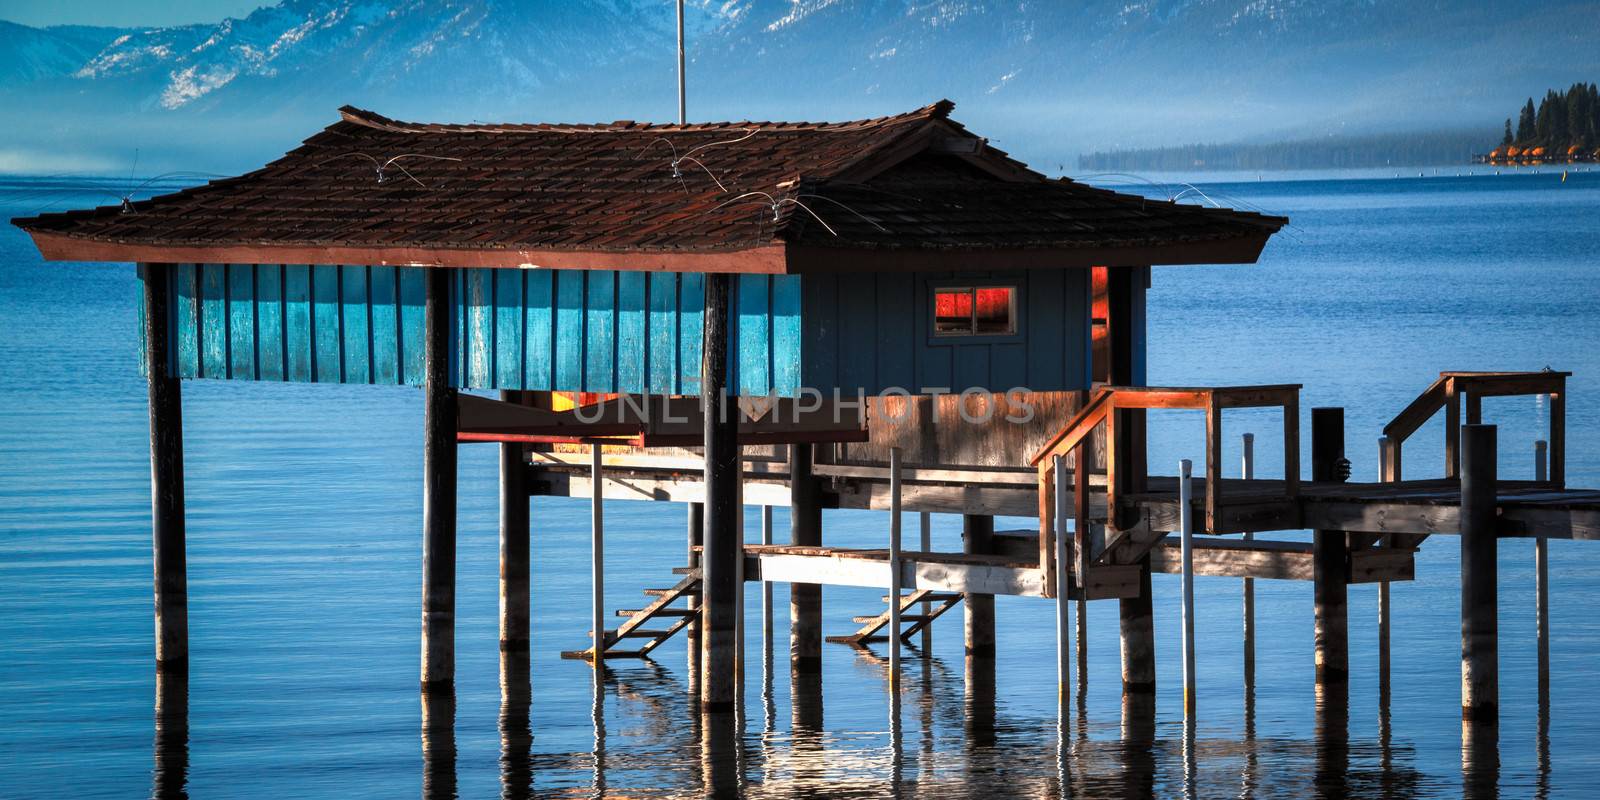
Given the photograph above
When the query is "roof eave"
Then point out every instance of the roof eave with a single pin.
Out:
(1244, 249)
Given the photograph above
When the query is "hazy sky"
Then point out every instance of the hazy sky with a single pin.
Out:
(122, 13)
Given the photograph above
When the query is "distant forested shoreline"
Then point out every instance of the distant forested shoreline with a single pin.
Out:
(1564, 126)
(1430, 148)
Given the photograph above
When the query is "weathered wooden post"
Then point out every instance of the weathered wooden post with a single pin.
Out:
(1330, 556)
(597, 560)
(977, 536)
(1186, 553)
(438, 490)
(1063, 510)
(1480, 660)
(171, 582)
(805, 528)
(894, 572)
(1388, 472)
(723, 537)
(1248, 472)
(514, 533)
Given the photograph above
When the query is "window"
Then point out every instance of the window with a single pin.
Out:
(975, 311)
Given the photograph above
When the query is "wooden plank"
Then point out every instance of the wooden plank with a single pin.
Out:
(896, 333)
(788, 350)
(355, 324)
(413, 296)
(858, 333)
(838, 570)
(213, 321)
(1052, 322)
(753, 356)
(241, 321)
(186, 293)
(299, 353)
(478, 334)
(662, 328)
(1213, 466)
(509, 336)
(568, 347)
(539, 345)
(327, 360)
(270, 364)
(691, 315)
(600, 333)
(384, 310)
(1417, 412)
(632, 346)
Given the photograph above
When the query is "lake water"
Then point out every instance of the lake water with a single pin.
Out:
(304, 563)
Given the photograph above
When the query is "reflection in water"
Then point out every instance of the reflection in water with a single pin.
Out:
(169, 779)
(516, 733)
(439, 744)
(597, 713)
(1480, 759)
(719, 756)
(1332, 739)
(1138, 743)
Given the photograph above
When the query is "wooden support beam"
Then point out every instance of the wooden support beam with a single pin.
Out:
(1186, 545)
(597, 567)
(978, 609)
(1330, 557)
(1248, 472)
(1541, 585)
(1480, 659)
(514, 533)
(696, 529)
(723, 537)
(805, 529)
(171, 582)
(438, 489)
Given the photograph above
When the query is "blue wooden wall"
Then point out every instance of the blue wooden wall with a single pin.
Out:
(872, 331)
(588, 331)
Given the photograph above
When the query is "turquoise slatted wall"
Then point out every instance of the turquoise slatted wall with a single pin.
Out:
(606, 331)
(593, 331)
(277, 322)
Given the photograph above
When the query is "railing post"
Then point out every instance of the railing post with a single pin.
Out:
(925, 544)
(1249, 473)
(1186, 544)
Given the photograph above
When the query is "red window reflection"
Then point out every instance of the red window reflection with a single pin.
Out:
(969, 311)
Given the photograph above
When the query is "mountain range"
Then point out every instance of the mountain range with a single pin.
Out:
(1046, 80)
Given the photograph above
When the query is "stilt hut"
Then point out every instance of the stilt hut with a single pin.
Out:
(973, 302)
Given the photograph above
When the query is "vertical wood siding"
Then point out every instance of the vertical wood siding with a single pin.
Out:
(593, 331)
(872, 332)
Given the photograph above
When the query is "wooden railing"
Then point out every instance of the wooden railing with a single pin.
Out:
(1448, 394)
(1125, 457)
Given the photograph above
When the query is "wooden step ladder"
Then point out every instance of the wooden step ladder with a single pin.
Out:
(674, 619)
(911, 623)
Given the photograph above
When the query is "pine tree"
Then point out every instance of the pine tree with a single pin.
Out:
(1525, 123)
(1507, 138)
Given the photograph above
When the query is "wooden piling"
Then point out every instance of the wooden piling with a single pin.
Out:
(171, 582)
(1480, 660)
(723, 537)
(766, 591)
(514, 533)
(805, 528)
(438, 489)
(1136, 617)
(1063, 511)
(977, 537)
(925, 542)
(1330, 555)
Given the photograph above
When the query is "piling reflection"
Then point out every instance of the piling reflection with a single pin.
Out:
(719, 755)
(1138, 744)
(979, 704)
(1480, 759)
(170, 777)
(1332, 732)
(439, 744)
(516, 732)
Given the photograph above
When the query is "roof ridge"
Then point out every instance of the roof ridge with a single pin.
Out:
(371, 119)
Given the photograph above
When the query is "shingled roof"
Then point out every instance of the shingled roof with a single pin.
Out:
(912, 191)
